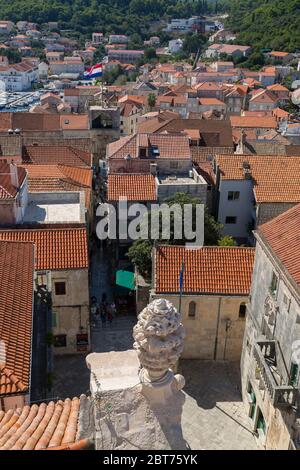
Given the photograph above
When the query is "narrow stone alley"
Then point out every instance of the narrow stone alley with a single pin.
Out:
(71, 375)
(116, 336)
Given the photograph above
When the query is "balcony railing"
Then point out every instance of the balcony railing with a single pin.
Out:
(264, 353)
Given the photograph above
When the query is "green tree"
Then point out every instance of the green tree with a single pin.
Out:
(193, 42)
(140, 254)
(13, 55)
(121, 80)
(150, 54)
(151, 100)
(226, 241)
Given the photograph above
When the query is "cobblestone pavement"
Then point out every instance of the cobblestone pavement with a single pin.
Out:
(100, 275)
(118, 335)
(71, 377)
(214, 416)
(115, 337)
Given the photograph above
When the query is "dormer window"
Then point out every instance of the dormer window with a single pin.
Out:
(155, 151)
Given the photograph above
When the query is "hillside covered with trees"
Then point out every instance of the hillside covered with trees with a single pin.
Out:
(109, 16)
(265, 23)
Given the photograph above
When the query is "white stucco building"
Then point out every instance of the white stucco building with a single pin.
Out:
(19, 77)
(175, 46)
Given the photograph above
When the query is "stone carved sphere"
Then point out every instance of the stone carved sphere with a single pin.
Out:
(159, 336)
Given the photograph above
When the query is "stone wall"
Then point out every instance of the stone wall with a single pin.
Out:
(285, 329)
(198, 190)
(206, 335)
(267, 212)
(71, 311)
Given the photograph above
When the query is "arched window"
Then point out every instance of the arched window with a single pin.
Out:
(192, 309)
(242, 311)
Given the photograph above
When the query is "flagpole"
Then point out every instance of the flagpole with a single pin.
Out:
(181, 284)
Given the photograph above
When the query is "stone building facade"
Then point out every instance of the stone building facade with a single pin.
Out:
(214, 325)
(62, 265)
(213, 307)
(270, 359)
(268, 211)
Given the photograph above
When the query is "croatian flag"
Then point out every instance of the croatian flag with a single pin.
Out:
(93, 72)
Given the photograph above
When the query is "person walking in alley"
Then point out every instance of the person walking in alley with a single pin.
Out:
(103, 313)
(111, 312)
(94, 311)
(110, 317)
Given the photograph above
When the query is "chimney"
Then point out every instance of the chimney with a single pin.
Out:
(14, 175)
(242, 142)
(247, 170)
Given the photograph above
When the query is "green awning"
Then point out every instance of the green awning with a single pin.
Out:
(125, 279)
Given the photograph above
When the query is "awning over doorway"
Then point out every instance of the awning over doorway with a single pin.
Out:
(125, 279)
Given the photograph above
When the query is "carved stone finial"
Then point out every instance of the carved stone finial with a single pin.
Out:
(158, 336)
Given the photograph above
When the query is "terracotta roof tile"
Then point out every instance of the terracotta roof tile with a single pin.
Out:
(43, 122)
(133, 187)
(279, 54)
(40, 427)
(282, 234)
(203, 154)
(16, 303)
(9, 383)
(170, 146)
(255, 122)
(62, 248)
(51, 155)
(264, 96)
(211, 102)
(8, 190)
(209, 270)
(275, 178)
(60, 178)
(215, 133)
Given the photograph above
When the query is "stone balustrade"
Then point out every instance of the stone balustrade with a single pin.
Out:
(281, 395)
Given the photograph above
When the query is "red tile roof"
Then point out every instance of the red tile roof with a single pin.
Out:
(16, 304)
(275, 178)
(204, 154)
(60, 178)
(61, 248)
(52, 154)
(215, 133)
(8, 190)
(246, 121)
(280, 113)
(41, 122)
(283, 237)
(278, 54)
(79, 175)
(211, 102)
(278, 87)
(208, 270)
(40, 427)
(264, 96)
(133, 187)
(208, 86)
(170, 146)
